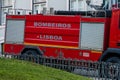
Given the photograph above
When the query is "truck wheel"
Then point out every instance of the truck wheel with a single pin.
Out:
(114, 60)
(111, 70)
(31, 52)
(31, 55)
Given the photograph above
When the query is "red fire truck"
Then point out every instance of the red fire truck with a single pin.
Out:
(66, 34)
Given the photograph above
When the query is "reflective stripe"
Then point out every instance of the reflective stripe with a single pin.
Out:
(100, 52)
(47, 45)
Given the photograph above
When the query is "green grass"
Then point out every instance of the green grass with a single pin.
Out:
(11, 69)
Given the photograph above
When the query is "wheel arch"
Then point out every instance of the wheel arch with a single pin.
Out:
(110, 52)
(37, 49)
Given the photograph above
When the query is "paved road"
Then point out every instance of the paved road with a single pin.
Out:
(93, 74)
(86, 72)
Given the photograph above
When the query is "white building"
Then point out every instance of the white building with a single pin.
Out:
(72, 5)
(81, 5)
(2, 32)
(38, 5)
(10, 6)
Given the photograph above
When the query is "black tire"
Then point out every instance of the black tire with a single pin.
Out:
(113, 60)
(31, 52)
(31, 55)
(111, 69)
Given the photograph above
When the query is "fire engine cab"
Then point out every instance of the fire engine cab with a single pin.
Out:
(65, 34)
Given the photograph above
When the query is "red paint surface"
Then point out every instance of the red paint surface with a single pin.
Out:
(70, 36)
(13, 48)
(115, 29)
(55, 52)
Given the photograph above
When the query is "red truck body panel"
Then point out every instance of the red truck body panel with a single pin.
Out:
(64, 36)
(115, 30)
(58, 36)
(55, 52)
